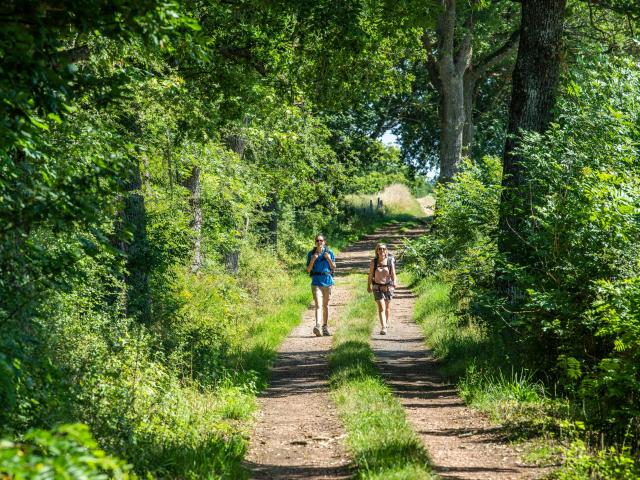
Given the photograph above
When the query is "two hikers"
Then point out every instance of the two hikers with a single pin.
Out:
(382, 282)
(321, 265)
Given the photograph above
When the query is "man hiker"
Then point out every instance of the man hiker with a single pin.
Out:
(321, 265)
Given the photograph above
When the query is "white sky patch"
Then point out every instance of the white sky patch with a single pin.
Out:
(390, 139)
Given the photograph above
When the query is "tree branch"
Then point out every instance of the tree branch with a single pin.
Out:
(431, 62)
(593, 23)
(497, 56)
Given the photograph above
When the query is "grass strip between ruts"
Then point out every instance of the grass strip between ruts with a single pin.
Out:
(381, 441)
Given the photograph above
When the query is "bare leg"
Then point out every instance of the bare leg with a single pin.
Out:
(388, 311)
(317, 299)
(326, 296)
(381, 313)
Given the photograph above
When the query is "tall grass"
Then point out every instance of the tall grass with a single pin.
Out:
(396, 200)
(458, 345)
(381, 441)
(480, 365)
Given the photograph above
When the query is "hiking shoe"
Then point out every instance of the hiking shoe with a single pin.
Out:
(383, 331)
(316, 331)
(325, 331)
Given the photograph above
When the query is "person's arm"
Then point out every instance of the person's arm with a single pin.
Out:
(329, 257)
(393, 273)
(370, 277)
(313, 259)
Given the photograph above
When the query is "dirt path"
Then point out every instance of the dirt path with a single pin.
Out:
(297, 433)
(460, 441)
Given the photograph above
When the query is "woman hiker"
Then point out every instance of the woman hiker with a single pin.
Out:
(382, 281)
(321, 265)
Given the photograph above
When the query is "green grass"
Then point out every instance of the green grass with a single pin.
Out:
(459, 344)
(378, 435)
(480, 366)
(258, 347)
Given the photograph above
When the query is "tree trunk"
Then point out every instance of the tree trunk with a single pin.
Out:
(236, 143)
(133, 218)
(455, 78)
(273, 214)
(469, 96)
(451, 65)
(535, 79)
(452, 120)
(194, 185)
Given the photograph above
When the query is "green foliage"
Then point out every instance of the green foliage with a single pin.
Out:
(605, 464)
(462, 245)
(579, 268)
(572, 309)
(67, 452)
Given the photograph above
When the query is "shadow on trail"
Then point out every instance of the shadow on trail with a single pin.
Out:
(295, 472)
(394, 455)
(298, 372)
(470, 470)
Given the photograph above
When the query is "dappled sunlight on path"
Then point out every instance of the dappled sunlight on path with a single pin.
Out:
(297, 432)
(461, 442)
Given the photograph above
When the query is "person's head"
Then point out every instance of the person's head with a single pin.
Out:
(320, 241)
(381, 250)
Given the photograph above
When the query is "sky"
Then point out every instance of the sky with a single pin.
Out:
(390, 139)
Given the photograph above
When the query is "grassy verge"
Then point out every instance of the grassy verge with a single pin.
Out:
(479, 364)
(512, 397)
(381, 442)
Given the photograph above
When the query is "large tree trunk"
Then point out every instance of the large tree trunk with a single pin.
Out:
(535, 79)
(451, 65)
(469, 96)
(455, 77)
(452, 125)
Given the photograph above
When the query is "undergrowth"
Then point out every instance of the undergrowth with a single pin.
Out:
(513, 397)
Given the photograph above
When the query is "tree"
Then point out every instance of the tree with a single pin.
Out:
(533, 95)
(455, 75)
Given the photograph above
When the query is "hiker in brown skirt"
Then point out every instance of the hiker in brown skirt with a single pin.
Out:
(382, 282)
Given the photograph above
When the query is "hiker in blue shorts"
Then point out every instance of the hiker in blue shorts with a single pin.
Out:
(321, 265)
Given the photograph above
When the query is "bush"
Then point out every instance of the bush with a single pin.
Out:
(579, 261)
(66, 452)
(462, 245)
